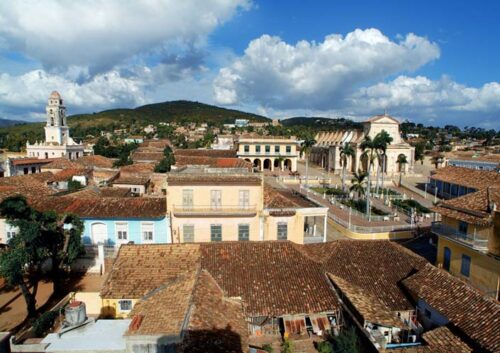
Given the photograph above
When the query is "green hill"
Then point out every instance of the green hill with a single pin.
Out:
(321, 123)
(14, 137)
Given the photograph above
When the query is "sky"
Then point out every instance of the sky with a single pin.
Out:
(431, 62)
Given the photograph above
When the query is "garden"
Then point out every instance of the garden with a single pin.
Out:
(408, 205)
(360, 205)
(331, 191)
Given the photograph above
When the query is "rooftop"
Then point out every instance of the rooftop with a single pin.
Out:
(477, 179)
(214, 162)
(61, 163)
(205, 153)
(147, 156)
(118, 207)
(132, 180)
(202, 177)
(474, 208)
(145, 168)
(28, 161)
(469, 312)
(284, 198)
(95, 161)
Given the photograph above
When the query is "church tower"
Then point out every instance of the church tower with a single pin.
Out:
(56, 130)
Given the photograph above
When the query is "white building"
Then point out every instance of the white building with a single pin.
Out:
(57, 142)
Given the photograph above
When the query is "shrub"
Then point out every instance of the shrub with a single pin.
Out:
(287, 346)
(44, 323)
(325, 347)
(268, 348)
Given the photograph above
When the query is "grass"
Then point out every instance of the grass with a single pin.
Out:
(385, 191)
(360, 205)
(407, 205)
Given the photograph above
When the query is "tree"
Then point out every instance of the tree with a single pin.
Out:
(167, 162)
(358, 183)
(401, 161)
(42, 236)
(381, 141)
(419, 152)
(346, 152)
(369, 148)
(345, 342)
(305, 148)
(437, 159)
(286, 346)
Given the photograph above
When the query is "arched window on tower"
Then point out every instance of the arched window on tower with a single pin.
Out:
(51, 121)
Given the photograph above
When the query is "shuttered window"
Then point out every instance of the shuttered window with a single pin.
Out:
(282, 231)
(216, 232)
(188, 233)
(243, 232)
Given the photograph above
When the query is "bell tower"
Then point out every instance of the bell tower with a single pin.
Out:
(56, 130)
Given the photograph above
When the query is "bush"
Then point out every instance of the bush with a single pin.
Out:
(44, 323)
(407, 205)
(325, 347)
(287, 346)
(360, 205)
(268, 348)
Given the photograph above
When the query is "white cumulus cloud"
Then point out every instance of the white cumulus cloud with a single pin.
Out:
(99, 34)
(317, 75)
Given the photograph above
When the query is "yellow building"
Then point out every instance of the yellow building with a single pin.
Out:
(231, 204)
(469, 239)
(269, 152)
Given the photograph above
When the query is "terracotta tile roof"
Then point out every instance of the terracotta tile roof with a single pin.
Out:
(94, 191)
(61, 163)
(28, 161)
(145, 168)
(165, 309)
(272, 278)
(140, 269)
(214, 162)
(442, 340)
(216, 324)
(95, 161)
(369, 307)
(160, 143)
(147, 156)
(255, 136)
(119, 207)
(31, 185)
(474, 208)
(370, 265)
(205, 153)
(470, 312)
(132, 180)
(477, 179)
(67, 174)
(213, 179)
(284, 198)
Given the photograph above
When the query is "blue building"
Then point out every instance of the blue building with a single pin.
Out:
(115, 221)
(475, 164)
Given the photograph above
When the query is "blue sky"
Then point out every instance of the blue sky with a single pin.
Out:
(430, 62)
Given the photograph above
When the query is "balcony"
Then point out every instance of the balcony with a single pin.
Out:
(474, 241)
(215, 211)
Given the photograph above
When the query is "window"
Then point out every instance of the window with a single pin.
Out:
(244, 200)
(276, 149)
(125, 305)
(268, 148)
(465, 268)
(188, 233)
(10, 231)
(243, 232)
(187, 198)
(148, 231)
(215, 232)
(25, 170)
(447, 258)
(215, 199)
(427, 313)
(33, 170)
(288, 149)
(257, 148)
(246, 148)
(462, 227)
(282, 231)
(122, 231)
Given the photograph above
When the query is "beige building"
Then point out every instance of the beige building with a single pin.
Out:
(58, 143)
(230, 204)
(269, 152)
(326, 152)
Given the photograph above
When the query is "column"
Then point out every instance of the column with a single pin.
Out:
(325, 227)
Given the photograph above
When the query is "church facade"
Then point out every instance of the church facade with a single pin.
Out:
(327, 150)
(58, 143)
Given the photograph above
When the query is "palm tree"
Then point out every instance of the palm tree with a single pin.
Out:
(381, 141)
(401, 162)
(305, 148)
(280, 160)
(369, 148)
(437, 159)
(346, 152)
(358, 183)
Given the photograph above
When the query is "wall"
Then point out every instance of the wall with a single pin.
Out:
(111, 308)
(481, 232)
(161, 229)
(202, 227)
(484, 270)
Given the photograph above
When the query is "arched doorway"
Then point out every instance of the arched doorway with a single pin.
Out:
(248, 160)
(277, 164)
(99, 233)
(288, 164)
(267, 164)
(401, 166)
(257, 164)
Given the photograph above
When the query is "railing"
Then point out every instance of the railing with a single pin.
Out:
(469, 239)
(372, 229)
(215, 210)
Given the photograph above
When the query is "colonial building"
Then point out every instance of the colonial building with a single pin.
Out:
(58, 142)
(269, 152)
(327, 151)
